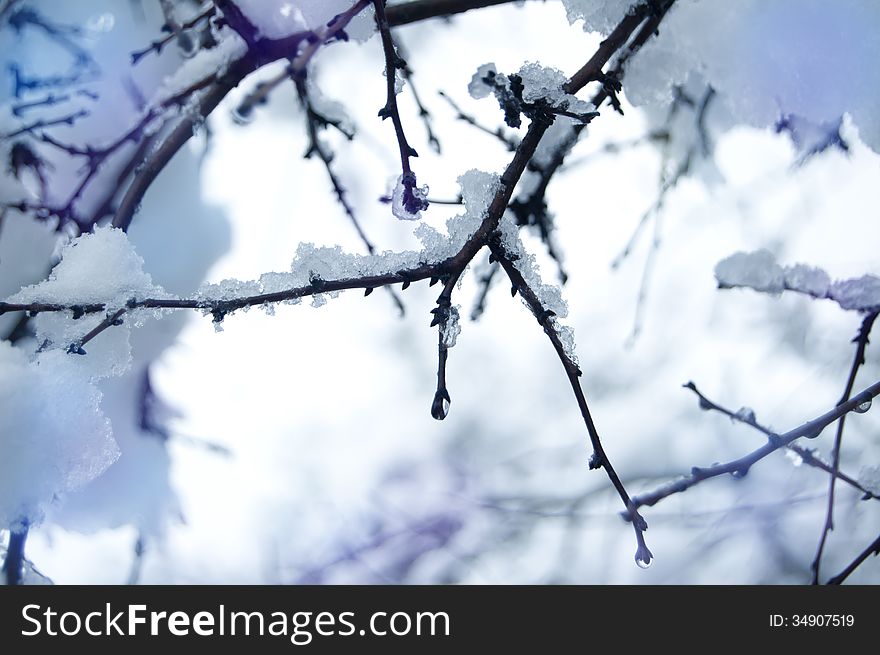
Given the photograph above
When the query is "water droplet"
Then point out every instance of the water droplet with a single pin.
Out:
(864, 407)
(739, 474)
(440, 406)
(644, 558)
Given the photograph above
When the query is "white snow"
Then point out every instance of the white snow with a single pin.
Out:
(598, 15)
(313, 262)
(53, 433)
(546, 83)
(204, 65)
(540, 83)
(869, 478)
(766, 60)
(477, 87)
(757, 270)
(807, 279)
(276, 19)
(101, 267)
(861, 293)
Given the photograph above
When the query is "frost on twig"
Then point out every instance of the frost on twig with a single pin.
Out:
(759, 271)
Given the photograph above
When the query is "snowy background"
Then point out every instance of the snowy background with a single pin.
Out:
(301, 447)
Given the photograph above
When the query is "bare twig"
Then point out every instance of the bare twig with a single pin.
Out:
(807, 456)
(861, 341)
(872, 549)
(740, 467)
(510, 141)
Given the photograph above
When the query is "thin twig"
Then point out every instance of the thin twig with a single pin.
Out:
(872, 549)
(424, 114)
(740, 467)
(807, 456)
(412, 202)
(510, 141)
(314, 122)
(861, 341)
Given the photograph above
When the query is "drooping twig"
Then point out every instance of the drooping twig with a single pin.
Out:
(413, 203)
(445, 317)
(740, 467)
(599, 458)
(861, 341)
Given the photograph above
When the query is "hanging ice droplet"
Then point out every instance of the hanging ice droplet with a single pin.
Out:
(440, 406)
(862, 408)
(644, 559)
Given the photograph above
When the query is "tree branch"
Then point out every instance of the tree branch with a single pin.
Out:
(740, 467)
(861, 341)
(872, 549)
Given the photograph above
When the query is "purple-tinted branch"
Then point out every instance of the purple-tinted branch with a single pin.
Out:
(412, 202)
(20, 108)
(41, 124)
(861, 341)
(169, 146)
(740, 467)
